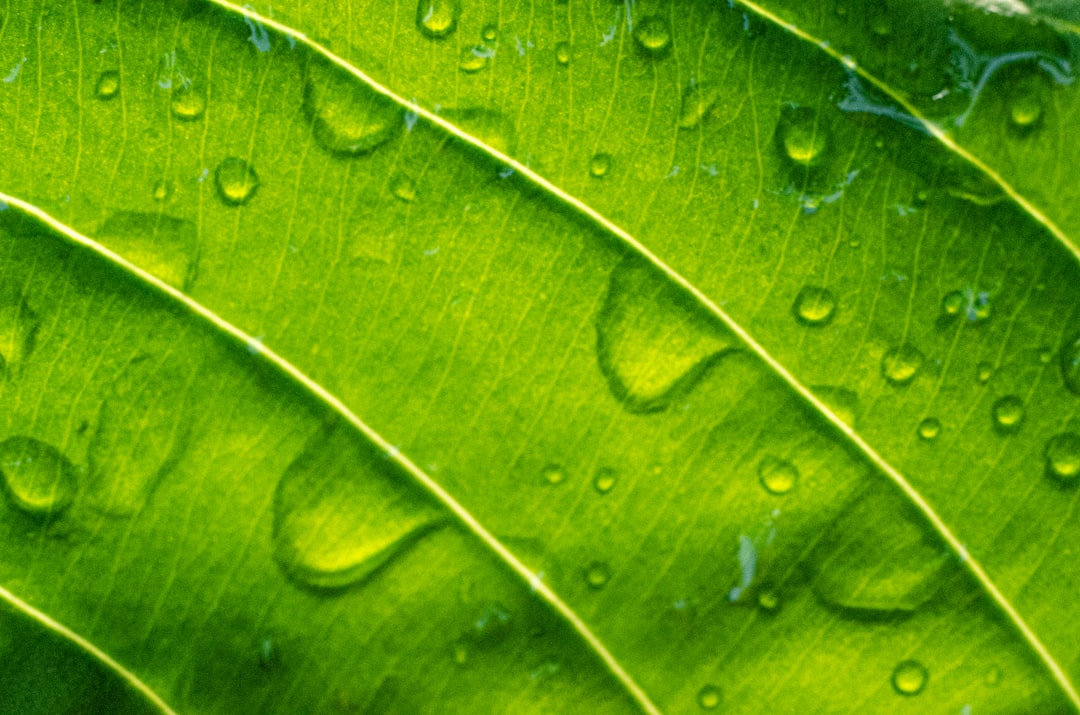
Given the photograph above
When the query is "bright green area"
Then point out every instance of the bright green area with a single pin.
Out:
(180, 503)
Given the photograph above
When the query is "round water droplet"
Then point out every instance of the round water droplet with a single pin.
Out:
(983, 372)
(490, 33)
(553, 474)
(1045, 355)
(1025, 110)
(952, 303)
(403, 188)
(930, 428)
(38, 479)
(901, 364)
(814, 306)
(604, 480)
(778, 476)
(188, 104)
(1063, 457)
(769, 600)
(597, 574)
(1008, 414)
(236, 181)
(709, 697)
(473, 59)
(1070, 364)
(163, 189)
(437, 18)
(910, 677)
(599, 165)
(802, 139)
(108, 85)
(562, 53)
(653, 36)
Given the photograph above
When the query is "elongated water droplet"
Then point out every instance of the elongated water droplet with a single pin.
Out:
(562, 53)
(403, 188)
(901, 364)
(930, 428)
(599, 165)
(473, 59)
(18, 330)
(653, 342)
(488, 125)
(343, 510)
(653, 36)
(697, 103)
(605, 479)
(236, 181)
(1063, 457)
(910, 677)
(437, 18)
(162, 245)
(188, 103)
(842, 402)
(1008, 414)
(801, 138)
(1070, 364)
(38, 479)
(778, 476)
(709, 697)
(597, 574)
(348, 118)
(814, 306)
(108, 85)
(553, 474)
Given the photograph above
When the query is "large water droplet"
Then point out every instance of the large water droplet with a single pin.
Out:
(348, 118)
(697, 103)
(1070, 364)
(709, 697)
(778, 476)
(437, 18)
(18, 330)
(164, 246)
(910, 677)
(1008, 414)
(814, 306)
(108, 85)
(1063, 457)
(801, 138)
(343, 510)
(653, 342)
(653, 36)
(901, 364)
(38, 479)
(188, 103)
(236, 181)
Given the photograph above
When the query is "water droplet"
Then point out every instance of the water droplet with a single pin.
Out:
(348, 118)
(778, 476)
(842, 402)
(881, 25)
(1070, 364)
(39, 480)
(1025, 111)
(490, 33)
(491, 626)
(910, 677)
(1008, 414)
(163, 189)
(461, 653)
(403, 187)
(437, 18)
(18, 330)
(802, 139)
(930, 428)
(188, 103)
(769, 600)
(653, 342)
(814, 306)
(562, 53)
(489, 126)
(473, 59)
(599, 165)
(236, 181)
(342, 511)
(994, 676)
(553, 474)
(653, 36)
(597, 574)
(697, 103)
(604, 480)
(709, 697)
(164, 246)
(108, 85)
(952, 303)
(901, 364)
(1045, 355)
(1063, 457)
(983, 372)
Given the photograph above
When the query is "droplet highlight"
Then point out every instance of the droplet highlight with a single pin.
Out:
(901, 364)
(814, 306)
(38, 479)
(108, 85)
(778, 476)
(437, 18)
(236, 181)
(1063, 457)
(653, 36)
(910, 677)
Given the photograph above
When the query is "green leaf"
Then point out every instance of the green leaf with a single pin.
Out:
(576, 357)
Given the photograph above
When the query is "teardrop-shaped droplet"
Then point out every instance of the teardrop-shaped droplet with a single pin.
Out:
(697, 102)
(901, 364)
(930, 428)
(605, 479)
(1008, 414)
(188, 103)
(437, 18)
(162, 245)
(597, 574)
(1063, 457)
(1070, 364)
(654, 342)
(473, 59)
(599, 165)
(553, 474)
(910, 677)
(343, 510)
(562, 53)
(236, 181)
(403, 187)
(163, 189)
(348, 118)
(778, 476)
(803, 140)
(108, 85)
(18, 330)
(814, 306)
(709, 697)
(653, 36)
(38, 478)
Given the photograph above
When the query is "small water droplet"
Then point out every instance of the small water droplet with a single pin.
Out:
(697, 103)
(1070, 364)
(952, 303)
(403, 187)
(994, 676)
(1063, 457)
(490, 33)
(562, 53)
(709, 697)
(188, 103)
(236, 181)
(910, 677)
(653, 36)
(599, 165)
(769, 600)
(881, 25)
(108, 85)
(801, 138)
(778, 476)
(553, 474)
(983, 372)
(491, 626)
(348, 118)
(1025, 111)
(814, 306)
(901, 364)
(437, 18)
(930, 428)
(39, 480)
(1008, 414)
(605, 480)
(597, 574)
(473, 59)
(461, 653)
(163, 189)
